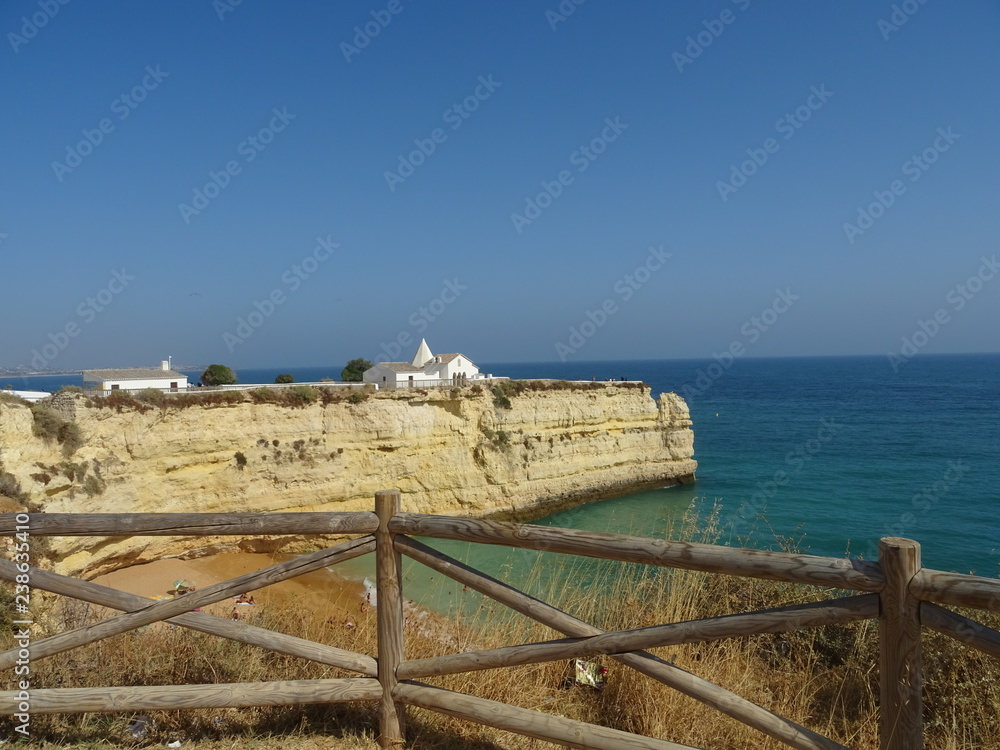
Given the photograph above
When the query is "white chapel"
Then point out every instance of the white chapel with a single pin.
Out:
(426, 369)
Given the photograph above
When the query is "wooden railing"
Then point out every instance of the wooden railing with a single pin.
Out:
(895, 589)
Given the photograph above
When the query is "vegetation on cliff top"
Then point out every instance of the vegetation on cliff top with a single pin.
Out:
(355, 370)
(218, 375)
(51, 425)
(296, 396)
(303, 395)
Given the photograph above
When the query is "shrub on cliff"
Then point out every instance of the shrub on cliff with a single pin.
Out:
(51, 425)
(10, 487)
(284, 378)
(264, 396)
(118, 400)
(218, 375)
(355, 370)
(301, 395)
(94, 485)
(504, 390)
(153, 396)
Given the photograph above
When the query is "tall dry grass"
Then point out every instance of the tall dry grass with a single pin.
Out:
(825, 678)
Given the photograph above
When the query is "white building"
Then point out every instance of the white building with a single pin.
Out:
(424, 370)
(135, 379)
(31, 396)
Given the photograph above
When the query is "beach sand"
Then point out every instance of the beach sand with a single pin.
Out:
(321, 591)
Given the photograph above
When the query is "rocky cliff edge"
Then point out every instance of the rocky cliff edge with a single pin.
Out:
(521, 453)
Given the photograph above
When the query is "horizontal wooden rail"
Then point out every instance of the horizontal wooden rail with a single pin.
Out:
(723, 700)
(778, 620)
(189, 524)
(201, 621)
(166, 609)
(859, 575)
(524, 721)
(903, 595)
(956, 589)
(170, 697)
(960, 628)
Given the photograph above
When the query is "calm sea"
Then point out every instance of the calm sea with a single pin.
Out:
(831, 452)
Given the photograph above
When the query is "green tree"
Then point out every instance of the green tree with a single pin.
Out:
(354, 370)
(285, 377)
(218, 375)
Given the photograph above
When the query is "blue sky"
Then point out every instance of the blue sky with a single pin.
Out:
(496, 176)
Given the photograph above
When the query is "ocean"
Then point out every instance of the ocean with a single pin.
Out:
(829, 454)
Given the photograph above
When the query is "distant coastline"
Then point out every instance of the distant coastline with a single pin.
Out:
(31, 374)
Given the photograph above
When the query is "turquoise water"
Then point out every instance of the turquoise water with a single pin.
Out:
(864, 452)
(833, 452)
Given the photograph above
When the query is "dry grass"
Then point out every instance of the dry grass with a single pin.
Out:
(825, 679)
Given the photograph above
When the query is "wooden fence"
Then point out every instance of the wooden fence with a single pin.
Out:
(899, 592)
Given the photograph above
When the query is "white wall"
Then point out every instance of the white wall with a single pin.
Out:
(136, 385)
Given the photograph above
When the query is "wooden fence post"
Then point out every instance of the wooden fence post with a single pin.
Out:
(389, 618)
(900, 660)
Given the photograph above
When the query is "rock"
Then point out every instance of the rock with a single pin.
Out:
(449, 453)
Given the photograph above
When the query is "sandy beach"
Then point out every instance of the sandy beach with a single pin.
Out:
(320, 591)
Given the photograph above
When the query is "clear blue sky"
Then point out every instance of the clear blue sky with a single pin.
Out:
(531, 88)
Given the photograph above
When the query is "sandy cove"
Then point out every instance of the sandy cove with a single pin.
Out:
(321, 591)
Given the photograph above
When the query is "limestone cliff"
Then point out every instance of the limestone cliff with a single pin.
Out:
(450, 452)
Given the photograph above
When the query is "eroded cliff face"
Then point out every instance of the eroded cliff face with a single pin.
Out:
(454, 453)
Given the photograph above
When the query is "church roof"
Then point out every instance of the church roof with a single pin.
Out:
(401, 367)
(423, 355)
(445, 358)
